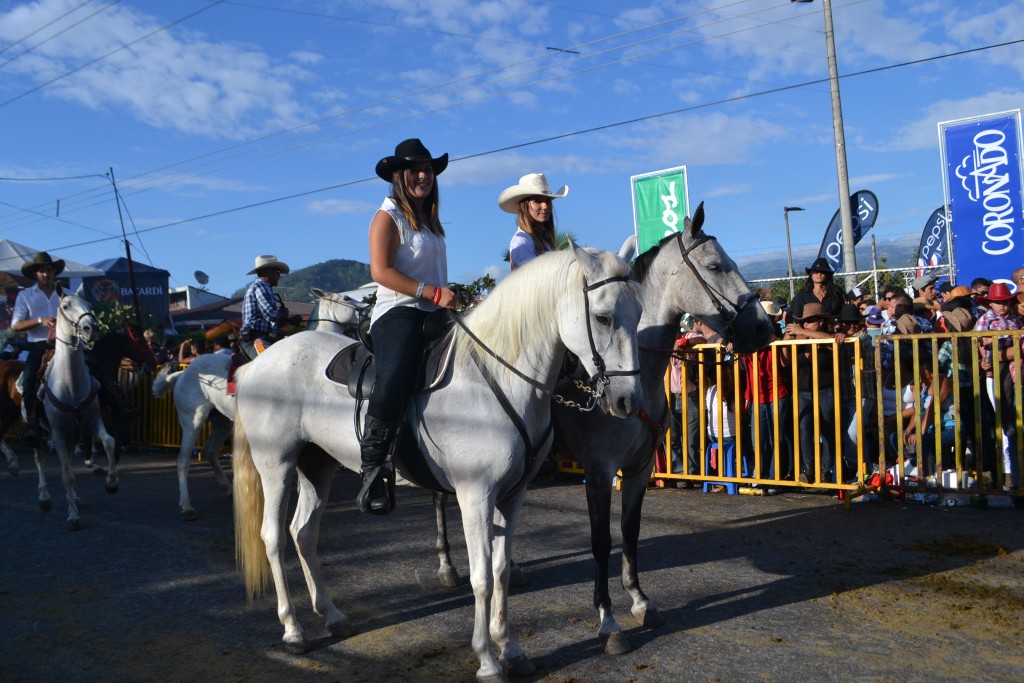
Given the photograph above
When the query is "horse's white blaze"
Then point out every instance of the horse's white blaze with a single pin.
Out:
(530, 319)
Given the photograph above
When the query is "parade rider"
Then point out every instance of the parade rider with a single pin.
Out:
(261, 310)
(35, 313)
(530, 200)
(409, 263)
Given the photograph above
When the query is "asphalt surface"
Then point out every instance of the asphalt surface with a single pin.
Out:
(789, 587)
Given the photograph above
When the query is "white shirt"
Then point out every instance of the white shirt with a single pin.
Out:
(728, 418)
(421, 256)
(522, 249)
(31, 304)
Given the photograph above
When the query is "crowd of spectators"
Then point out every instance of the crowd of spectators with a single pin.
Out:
(792, 396)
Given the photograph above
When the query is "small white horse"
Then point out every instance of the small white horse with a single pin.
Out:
(200, 393)
(68, 394)
(482, 433)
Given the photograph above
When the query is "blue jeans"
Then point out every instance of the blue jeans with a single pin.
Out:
(765, 419)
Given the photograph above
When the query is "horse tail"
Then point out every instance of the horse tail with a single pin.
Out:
(165, 380)
(250, 553)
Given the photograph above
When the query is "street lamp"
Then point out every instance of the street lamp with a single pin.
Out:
(789, 248)
(845, 215)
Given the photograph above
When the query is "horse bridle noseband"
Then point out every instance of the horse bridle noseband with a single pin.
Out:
(717, 297)
(594, 386)
(76, 324)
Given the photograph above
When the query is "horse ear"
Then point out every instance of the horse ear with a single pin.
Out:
(318, 293)
(586, 260)
(693, 227)
(628, 249)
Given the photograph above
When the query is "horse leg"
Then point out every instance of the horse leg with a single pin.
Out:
(276, 489)
(110, 446)
(11, 456)
(633, 491)
(477, 521)
(446, 572)
(45, 503)
(188, 436)
(64, 453)
(509, 651)
(316, 470)
(219, 432)
(599, 504)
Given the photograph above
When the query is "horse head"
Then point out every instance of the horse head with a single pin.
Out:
(610, 303)
(338, 308)
(76, 324)
(720, 298)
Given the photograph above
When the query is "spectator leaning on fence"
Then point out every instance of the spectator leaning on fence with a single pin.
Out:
(687, 339)
(924, 288)
(763, 412)
(1001, 316)
(819, 289)
(857, 419)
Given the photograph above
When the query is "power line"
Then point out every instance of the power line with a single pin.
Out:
(108, 54)
(58, 33)
(577, 133)
(46, 25)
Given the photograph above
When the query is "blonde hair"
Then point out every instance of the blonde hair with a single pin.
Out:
(400, 196)
(542, 234)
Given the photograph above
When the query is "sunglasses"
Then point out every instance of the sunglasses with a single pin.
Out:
(889, 298)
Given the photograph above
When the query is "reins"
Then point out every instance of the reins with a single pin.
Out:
(77, 327)
(594, 386)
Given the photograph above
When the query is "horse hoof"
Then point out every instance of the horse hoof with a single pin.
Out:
(299, 647)
(46, 505)
(189, 516)
(519, 667)
(517, 578)
(649, 617)
(449, 578)
(111, 488)
(74, 525)
(499, 677)
(342, 629)
(616, 643)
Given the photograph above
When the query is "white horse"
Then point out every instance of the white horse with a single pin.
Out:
(68, 394)
(687, 272)
(482, 432)
(200, 393)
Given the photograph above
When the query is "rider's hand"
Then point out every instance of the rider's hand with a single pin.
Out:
(448, 298)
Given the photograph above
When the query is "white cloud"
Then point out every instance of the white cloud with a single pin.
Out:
(509, 166)
(923, 134)
(174, 79)
(727, 190)
(330, 207)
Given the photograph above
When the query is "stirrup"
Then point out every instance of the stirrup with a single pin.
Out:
(377, 494)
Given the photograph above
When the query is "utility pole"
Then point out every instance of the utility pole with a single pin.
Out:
(128, 253)
(789, 248)
(845, 215)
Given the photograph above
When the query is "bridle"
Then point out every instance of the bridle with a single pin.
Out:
(594, 387)
(76, 324)
(718, 299)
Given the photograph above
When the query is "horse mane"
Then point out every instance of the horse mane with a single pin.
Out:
(643, 262)
(522, 311)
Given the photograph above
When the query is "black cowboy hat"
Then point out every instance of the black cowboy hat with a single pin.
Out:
(29, 268)
(407, 153)
(820, 265)
(850, 314)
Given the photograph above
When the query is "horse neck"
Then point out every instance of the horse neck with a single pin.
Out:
(659, 327)
(68, 370)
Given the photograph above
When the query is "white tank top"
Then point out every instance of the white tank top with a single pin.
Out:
(421, 255)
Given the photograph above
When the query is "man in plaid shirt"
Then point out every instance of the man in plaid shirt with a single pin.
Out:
(260, 309)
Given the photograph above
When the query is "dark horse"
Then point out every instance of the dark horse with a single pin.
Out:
(104, 361)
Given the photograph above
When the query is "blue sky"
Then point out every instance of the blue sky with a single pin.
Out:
(243, 128)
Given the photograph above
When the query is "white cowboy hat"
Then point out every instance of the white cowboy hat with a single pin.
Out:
(269, 261)
(530, 185)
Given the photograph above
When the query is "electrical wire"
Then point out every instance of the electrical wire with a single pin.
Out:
(58, 33)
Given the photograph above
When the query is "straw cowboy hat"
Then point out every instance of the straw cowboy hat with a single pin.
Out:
(407, 153)
(959, 291)
(907, 324)
(771, 308)
(530, 185)
(271, 262)
(29, 268)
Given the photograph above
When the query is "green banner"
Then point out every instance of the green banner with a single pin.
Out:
(659, 205)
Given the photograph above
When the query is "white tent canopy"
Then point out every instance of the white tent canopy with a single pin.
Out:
(13, 255)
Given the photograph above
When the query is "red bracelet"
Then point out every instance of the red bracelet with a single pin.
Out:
(437, 296)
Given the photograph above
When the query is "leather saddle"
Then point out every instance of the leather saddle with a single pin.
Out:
(354, 365)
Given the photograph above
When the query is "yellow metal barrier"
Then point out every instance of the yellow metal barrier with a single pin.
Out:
(157, 426)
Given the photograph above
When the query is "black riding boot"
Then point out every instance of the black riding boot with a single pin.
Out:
(377, 493)
(30, 432)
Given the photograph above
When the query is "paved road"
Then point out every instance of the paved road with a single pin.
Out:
(791, 587)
